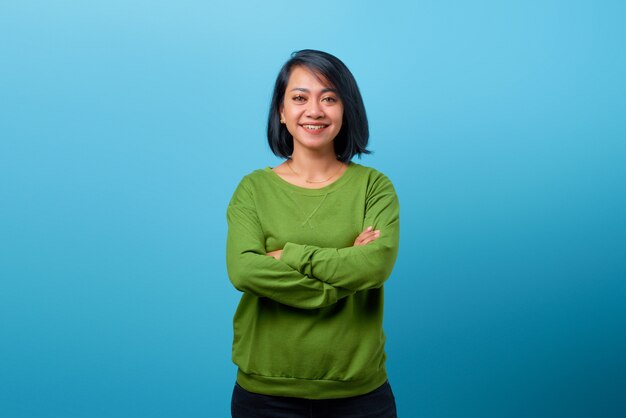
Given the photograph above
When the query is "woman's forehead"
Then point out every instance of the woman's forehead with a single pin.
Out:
(300, 73)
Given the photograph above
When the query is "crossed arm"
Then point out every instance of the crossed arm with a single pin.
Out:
(305, 276)
(364, 238)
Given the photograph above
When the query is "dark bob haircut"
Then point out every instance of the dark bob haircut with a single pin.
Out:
(354, 134)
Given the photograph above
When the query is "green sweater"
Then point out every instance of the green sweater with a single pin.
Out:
(310, 324)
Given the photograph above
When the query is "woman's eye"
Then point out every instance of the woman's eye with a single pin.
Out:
(298, 98)
(329, 99)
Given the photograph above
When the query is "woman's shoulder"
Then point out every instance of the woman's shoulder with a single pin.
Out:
(372, 174)
(254, 177)
(247, 185)
(257, 173)
(377, 182)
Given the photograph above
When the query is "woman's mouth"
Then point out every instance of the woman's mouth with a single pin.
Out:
(314, 129)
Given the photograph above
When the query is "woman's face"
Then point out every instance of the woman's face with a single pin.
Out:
(311, 110)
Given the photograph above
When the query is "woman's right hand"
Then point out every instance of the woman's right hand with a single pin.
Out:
(367, 236)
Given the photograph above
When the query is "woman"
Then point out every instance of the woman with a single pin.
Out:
(310, 244)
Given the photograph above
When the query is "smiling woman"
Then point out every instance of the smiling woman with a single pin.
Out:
(312, 111)
(310, 244)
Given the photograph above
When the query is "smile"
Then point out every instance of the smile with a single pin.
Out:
(314, 127)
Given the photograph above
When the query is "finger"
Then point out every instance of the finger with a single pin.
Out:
(372, 236)
(366, 230)
(371, 239)
(361, 238)
(363, 235)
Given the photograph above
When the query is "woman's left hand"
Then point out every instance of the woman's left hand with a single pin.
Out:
(276, 254)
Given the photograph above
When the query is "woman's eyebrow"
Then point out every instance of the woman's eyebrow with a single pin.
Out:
(326, 90)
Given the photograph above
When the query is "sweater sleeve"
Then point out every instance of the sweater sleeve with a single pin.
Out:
(251, 271)
(358, 267)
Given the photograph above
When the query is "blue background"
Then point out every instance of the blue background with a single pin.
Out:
(126, 125)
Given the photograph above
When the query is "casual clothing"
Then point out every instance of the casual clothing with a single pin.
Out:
(310, 324)
(379, 403)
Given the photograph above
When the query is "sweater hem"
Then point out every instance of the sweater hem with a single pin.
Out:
(309, 388)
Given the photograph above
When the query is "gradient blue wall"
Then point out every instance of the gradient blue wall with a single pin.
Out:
(125, 126)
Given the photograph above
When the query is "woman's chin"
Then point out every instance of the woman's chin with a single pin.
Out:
(315, 146)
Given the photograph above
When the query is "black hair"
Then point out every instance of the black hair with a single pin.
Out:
(354, 133)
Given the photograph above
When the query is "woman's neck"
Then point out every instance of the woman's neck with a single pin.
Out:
(314, 166)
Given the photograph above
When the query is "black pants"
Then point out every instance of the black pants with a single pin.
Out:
(379, 403)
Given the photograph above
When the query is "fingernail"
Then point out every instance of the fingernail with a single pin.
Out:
(377, 232)
(369, 228)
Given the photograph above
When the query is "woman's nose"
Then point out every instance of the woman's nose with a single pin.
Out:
(315, 110)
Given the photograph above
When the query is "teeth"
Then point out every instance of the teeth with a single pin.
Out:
(316, 127)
